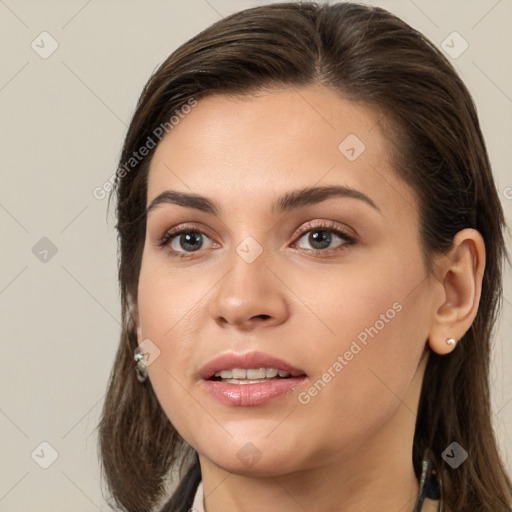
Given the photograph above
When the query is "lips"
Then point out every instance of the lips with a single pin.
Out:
(247, 361)
(249, 379)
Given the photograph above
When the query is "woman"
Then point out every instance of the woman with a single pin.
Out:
(310, 266)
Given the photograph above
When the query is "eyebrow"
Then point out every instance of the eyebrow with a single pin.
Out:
(289, 201)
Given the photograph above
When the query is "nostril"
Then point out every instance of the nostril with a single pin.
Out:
(263, 317)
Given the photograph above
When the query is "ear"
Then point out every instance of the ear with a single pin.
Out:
(134, 314)
(460, 274)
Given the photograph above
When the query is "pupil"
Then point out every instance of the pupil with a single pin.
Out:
(193, 240)
(324, 238)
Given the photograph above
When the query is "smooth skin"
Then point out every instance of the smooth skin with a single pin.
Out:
(350, 447)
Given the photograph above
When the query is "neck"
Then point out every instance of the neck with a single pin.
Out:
(354, 486)
(377, 475)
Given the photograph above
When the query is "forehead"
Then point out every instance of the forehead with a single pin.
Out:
(235, 149)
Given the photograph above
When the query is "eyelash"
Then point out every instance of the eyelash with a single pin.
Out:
(330, 227)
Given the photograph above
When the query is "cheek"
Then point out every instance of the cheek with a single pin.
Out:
(373, 329)
(169, 301)
(171, 306)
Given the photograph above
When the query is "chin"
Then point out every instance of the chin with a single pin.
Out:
(253, 463)
(256, 456)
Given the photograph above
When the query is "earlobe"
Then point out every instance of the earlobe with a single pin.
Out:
(134, 315)
(442, 347)
(460, 274)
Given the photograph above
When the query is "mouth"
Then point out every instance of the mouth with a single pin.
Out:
(249, 379)
(250, 375)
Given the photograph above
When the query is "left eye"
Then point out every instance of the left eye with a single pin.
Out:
(320, 238)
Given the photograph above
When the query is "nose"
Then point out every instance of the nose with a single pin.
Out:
(249, 296)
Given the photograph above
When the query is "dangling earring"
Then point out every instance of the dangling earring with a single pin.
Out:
(140, 368)
(450, 341)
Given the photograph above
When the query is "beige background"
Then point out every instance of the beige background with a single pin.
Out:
(63, 122)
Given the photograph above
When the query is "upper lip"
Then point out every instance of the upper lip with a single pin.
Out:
(246, 361)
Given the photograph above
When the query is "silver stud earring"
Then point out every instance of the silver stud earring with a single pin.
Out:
(450, 341)
(140, 368)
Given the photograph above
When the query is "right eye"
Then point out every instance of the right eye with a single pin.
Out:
(183, 241)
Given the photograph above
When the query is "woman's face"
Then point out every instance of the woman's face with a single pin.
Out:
(329, 287)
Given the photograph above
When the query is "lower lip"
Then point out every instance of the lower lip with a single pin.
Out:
(246, 395)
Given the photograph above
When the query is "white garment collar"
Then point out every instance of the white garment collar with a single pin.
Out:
(197, 506)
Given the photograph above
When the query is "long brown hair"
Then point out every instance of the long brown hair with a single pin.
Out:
(369, 56)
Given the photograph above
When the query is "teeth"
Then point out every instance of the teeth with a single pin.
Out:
(239, 373)
(256, 374)
(242, 381)
(251, 374)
